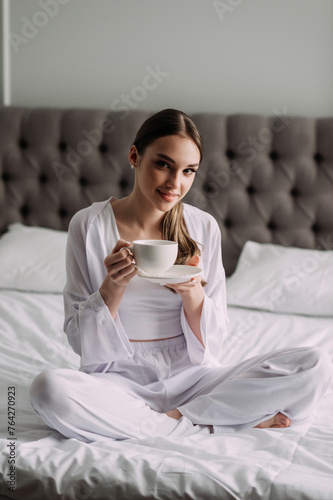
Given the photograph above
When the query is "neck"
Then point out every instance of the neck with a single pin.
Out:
(140, 214)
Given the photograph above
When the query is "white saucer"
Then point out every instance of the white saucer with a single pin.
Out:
(176, 274)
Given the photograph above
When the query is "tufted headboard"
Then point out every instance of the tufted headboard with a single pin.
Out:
(268, 179)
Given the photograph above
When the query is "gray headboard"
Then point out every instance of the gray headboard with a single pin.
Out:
(268, 179)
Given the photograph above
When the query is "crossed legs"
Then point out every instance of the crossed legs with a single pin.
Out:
(269, 391)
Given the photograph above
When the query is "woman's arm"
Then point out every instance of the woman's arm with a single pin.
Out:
(120, 271)
(192, 294)
(205, 322)
(92, 331)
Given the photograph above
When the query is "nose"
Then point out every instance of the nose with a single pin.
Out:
(173, 180)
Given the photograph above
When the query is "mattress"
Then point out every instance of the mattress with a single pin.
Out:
(36, 462)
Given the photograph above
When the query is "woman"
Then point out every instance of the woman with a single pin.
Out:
(152, 360)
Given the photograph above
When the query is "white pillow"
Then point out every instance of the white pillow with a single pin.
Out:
(283, 279)
(33, 259)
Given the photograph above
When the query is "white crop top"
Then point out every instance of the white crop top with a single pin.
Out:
(150, 311)
(147, 310)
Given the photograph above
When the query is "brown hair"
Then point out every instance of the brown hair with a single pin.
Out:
(161, 124)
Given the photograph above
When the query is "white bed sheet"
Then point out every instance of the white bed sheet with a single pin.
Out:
(294, 463)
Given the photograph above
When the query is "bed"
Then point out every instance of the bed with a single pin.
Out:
(269, 183)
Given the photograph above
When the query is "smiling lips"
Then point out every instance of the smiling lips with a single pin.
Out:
(166, 196)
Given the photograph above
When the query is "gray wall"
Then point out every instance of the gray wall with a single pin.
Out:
(1, 58)
(229, 56)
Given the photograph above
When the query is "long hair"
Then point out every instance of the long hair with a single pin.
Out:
(164, 123)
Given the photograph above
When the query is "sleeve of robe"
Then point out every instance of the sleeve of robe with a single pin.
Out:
(214, 318)
(90, 328)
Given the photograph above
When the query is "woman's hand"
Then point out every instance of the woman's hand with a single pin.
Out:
(119, 264)
(188, 286)
(120, 270)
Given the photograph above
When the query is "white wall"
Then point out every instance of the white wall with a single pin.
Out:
(229, 56)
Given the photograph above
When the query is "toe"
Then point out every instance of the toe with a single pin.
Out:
(282, 420)
(279, 421)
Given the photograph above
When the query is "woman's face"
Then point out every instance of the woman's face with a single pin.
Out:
(166, 170)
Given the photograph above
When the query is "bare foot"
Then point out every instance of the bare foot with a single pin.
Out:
(174, 414)
(279, 421)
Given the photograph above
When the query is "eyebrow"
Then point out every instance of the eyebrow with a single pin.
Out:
(165, 157)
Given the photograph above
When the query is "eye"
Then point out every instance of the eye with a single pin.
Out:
(161, 163)
(190, 171)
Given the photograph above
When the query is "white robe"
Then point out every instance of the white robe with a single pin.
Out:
(92, 332)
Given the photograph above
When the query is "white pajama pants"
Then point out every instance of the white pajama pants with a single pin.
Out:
(131, 400)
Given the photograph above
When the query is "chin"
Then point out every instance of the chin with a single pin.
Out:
(166, 206)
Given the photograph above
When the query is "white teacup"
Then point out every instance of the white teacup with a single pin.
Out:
(154, 256)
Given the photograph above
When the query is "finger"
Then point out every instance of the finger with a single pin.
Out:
(119, 253)
(185, 285)
(119, 245)
(122, 270)
(114, 265)
(191, 282)
(194, 261)
(124, 275)
(118, 261)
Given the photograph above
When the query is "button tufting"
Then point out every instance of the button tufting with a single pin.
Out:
(23, 144)
(123, 183)
(63, 212)
(5, 177)
(318, 157)
(227, 222)
(250, 189)
(83, 181)
(295, 192)
(271, 225)
(315, 228)
(230, 154)
(25, 210)
(62, 146)
(43, 178)
(274, 155)
(209, 188)
(103, 148)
